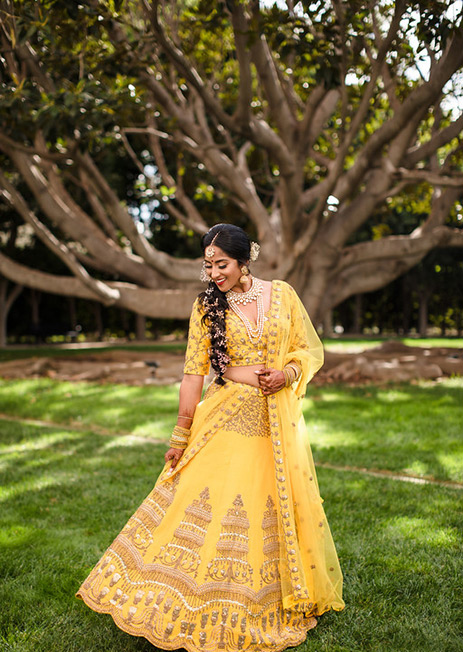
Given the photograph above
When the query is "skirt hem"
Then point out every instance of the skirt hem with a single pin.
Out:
(123, 625)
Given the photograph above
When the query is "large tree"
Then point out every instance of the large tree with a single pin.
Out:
(302, 123)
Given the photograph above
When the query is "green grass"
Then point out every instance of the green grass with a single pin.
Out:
(66, 492)
(415, 429)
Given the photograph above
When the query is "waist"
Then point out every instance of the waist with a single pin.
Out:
(246, 375)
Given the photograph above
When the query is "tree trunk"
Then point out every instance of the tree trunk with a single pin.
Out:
(72, 313)
(423, 313)
(358, 314)
(99, 327)
(140, 327)
(6, 301)
(328, 324)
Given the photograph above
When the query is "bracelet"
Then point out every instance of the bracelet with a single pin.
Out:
(181, 416)
(296, 368)
(291, 373)
(179, 437)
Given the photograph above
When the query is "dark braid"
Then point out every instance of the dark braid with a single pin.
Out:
(215, 304)
(235, 243)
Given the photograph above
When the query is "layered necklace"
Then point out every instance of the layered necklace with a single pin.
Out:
(255, 293)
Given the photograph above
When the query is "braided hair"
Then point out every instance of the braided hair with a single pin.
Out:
(235, 243)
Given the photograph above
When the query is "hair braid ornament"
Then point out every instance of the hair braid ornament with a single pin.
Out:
(215, 315)
(255, 249)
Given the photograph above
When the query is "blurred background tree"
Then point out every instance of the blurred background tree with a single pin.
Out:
(327, 129)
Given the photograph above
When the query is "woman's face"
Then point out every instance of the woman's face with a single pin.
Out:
(224, 271)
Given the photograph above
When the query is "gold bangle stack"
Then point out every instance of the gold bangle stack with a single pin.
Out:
(179, 437)
(291, 373)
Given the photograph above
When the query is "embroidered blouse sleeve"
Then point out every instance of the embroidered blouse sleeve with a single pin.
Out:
(197, 353)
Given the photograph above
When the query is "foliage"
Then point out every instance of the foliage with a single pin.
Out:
(324, 128)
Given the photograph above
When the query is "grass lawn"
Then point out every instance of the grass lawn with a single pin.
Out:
(67, 490)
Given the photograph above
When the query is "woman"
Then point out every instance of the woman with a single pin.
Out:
(231, 550)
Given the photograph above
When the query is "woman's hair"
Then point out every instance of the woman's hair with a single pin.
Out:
(235, 243)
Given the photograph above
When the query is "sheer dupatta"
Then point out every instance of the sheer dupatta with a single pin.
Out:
(311, 578)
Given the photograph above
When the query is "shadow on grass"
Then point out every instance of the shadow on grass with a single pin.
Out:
(67, 494)
(414, 429)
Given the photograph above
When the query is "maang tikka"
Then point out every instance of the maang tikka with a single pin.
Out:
(209, 252)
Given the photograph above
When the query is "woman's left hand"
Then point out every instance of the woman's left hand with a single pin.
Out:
(271, 380)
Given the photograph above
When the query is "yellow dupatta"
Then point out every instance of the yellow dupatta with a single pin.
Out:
(311, 578)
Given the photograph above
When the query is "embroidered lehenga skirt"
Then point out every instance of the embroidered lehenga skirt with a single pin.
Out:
(198, 564)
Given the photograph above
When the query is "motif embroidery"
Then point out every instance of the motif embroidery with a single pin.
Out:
(153, 510)
(183, 551)
(252, 419)
(270, 569)
(230, 563)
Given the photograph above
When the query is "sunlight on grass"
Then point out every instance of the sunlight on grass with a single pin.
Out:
(404, 428)
(16, 535)
(36, 484)
(39, 443)
(421, 530)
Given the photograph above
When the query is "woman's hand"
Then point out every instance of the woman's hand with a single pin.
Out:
(173, 454)
(271, 380)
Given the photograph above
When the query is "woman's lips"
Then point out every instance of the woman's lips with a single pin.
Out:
(218, 282)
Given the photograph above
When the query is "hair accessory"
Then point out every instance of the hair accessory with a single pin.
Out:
(245, 274)
(209, 252)
(255, 249)
(204, 277)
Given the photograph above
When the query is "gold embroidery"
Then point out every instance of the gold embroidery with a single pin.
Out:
(230, 563)
(152, 510)
(199, 342)
(252, 419)
(162, 601)
(270, 569)
(183, 551)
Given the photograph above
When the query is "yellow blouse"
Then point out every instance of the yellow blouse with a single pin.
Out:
(241, 350)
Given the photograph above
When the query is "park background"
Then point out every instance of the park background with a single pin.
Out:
(331, 132)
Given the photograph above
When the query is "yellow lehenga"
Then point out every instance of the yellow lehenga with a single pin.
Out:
(231, 550)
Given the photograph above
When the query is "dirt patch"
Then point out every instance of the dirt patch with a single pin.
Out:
(128, 367)
(390, 362)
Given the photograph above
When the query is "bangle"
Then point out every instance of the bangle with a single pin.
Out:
(288, 377)
(291, 373)
(179, 437)
(181, 416)
(296, 368)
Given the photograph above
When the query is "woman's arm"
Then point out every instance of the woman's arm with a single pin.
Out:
(191, 388)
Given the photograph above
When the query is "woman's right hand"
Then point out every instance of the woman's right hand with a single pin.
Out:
(173, 454)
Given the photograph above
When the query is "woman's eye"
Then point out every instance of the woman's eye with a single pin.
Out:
(222, 267)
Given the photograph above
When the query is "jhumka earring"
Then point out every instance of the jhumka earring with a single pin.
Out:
(204, 275)
(245, 274)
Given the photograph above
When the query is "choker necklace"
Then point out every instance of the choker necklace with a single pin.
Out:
(255, 293)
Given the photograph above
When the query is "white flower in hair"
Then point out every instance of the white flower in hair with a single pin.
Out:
(255, 248)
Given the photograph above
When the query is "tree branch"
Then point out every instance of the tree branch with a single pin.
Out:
(101, 291)
(412, 176)
(161, 304)
(268, 75)
(180, 269)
